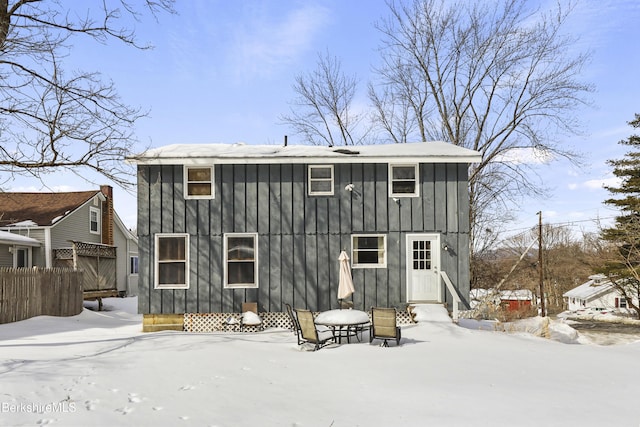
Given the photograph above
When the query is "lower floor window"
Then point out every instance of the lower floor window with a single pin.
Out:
(241, 260)
(172, 261)
(369, 250)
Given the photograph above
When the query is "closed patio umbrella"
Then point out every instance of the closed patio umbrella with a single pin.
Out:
(345, 284)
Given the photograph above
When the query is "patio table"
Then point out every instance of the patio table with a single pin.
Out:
(344, 323)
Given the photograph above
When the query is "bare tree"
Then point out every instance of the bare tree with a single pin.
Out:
(495, 77)
(52, 119)
(323, 112)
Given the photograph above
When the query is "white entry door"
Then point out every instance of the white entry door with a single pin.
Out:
(423, 266)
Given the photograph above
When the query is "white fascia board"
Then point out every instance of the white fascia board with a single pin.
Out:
(204, 154)
(194, 161)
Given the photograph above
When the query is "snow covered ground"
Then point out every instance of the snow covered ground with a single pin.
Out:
(97, 368)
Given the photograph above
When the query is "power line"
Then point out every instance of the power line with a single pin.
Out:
(565, 223)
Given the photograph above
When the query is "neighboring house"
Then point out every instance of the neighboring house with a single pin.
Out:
(34, 226)
(516, 300)
(510, 299)
(598, 292)
(221, 224)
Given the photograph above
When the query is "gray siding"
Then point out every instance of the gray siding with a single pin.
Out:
(300, 236)
(74, 227)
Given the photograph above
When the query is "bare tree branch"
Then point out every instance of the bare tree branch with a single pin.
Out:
(50, 119)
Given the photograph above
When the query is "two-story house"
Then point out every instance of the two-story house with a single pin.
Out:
(223, 224)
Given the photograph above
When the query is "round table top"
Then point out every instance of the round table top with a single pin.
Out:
(342, 317)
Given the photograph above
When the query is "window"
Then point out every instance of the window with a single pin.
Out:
(403, 180)
(621, 302)
(94, 220)
(172, 261)
(369, 251)
(198, 182)
(241, 260)
(133, 264)
(321, 180)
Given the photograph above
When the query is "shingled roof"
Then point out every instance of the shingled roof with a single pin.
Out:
(40, 208)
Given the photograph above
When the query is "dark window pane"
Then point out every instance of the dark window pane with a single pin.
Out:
(321, 173)
(404, 172)
(171, 248)
(240, 273)
(369, 242)
(199, 189)
(367, 257)
(21, 258)
(403, 187)
(171, 273)
(199, 174)
(240, 248)
(321, 186)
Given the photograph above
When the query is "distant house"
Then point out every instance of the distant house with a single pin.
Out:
(41, 229)
(509, 300)
(598, 292)
(223, 224)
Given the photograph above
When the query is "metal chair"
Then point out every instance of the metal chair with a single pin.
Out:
(383, 325)
(295, 326)
(308, 332)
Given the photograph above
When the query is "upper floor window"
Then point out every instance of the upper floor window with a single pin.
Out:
(403, 180)
(320, 180)
(241, 260)
(369, 250)
(198, 182)
(172, 261)
(94, 220)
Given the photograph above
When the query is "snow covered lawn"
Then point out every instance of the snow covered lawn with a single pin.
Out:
(97, 368)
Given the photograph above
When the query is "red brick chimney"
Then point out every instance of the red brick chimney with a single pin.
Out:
(107, 215)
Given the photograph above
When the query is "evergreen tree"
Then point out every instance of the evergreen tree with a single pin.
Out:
(622, 263)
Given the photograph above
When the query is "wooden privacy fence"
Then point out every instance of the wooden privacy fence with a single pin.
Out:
(29, 292)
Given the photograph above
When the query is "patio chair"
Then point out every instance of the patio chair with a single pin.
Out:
(308, 332)
(295, 326)
(250, 316)
(383, 325)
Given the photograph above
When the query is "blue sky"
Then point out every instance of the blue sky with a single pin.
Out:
(222, 71)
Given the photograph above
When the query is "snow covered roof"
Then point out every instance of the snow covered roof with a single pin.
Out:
(516, 295)
(7, 238)
(423, 152)
(509, 294)
(596, 286)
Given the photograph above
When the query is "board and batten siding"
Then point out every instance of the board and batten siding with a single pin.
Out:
(299, 236)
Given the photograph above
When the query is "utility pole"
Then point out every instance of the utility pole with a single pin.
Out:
(543, 311)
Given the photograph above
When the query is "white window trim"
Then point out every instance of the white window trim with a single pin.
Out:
(186, 182)
(416, 192)
(309, 180)
(156, 263)
(353, 250)
(98, 219)
(255, 261)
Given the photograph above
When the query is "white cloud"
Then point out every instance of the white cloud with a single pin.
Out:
(264, 45)
(598, 184)
(533, 156)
